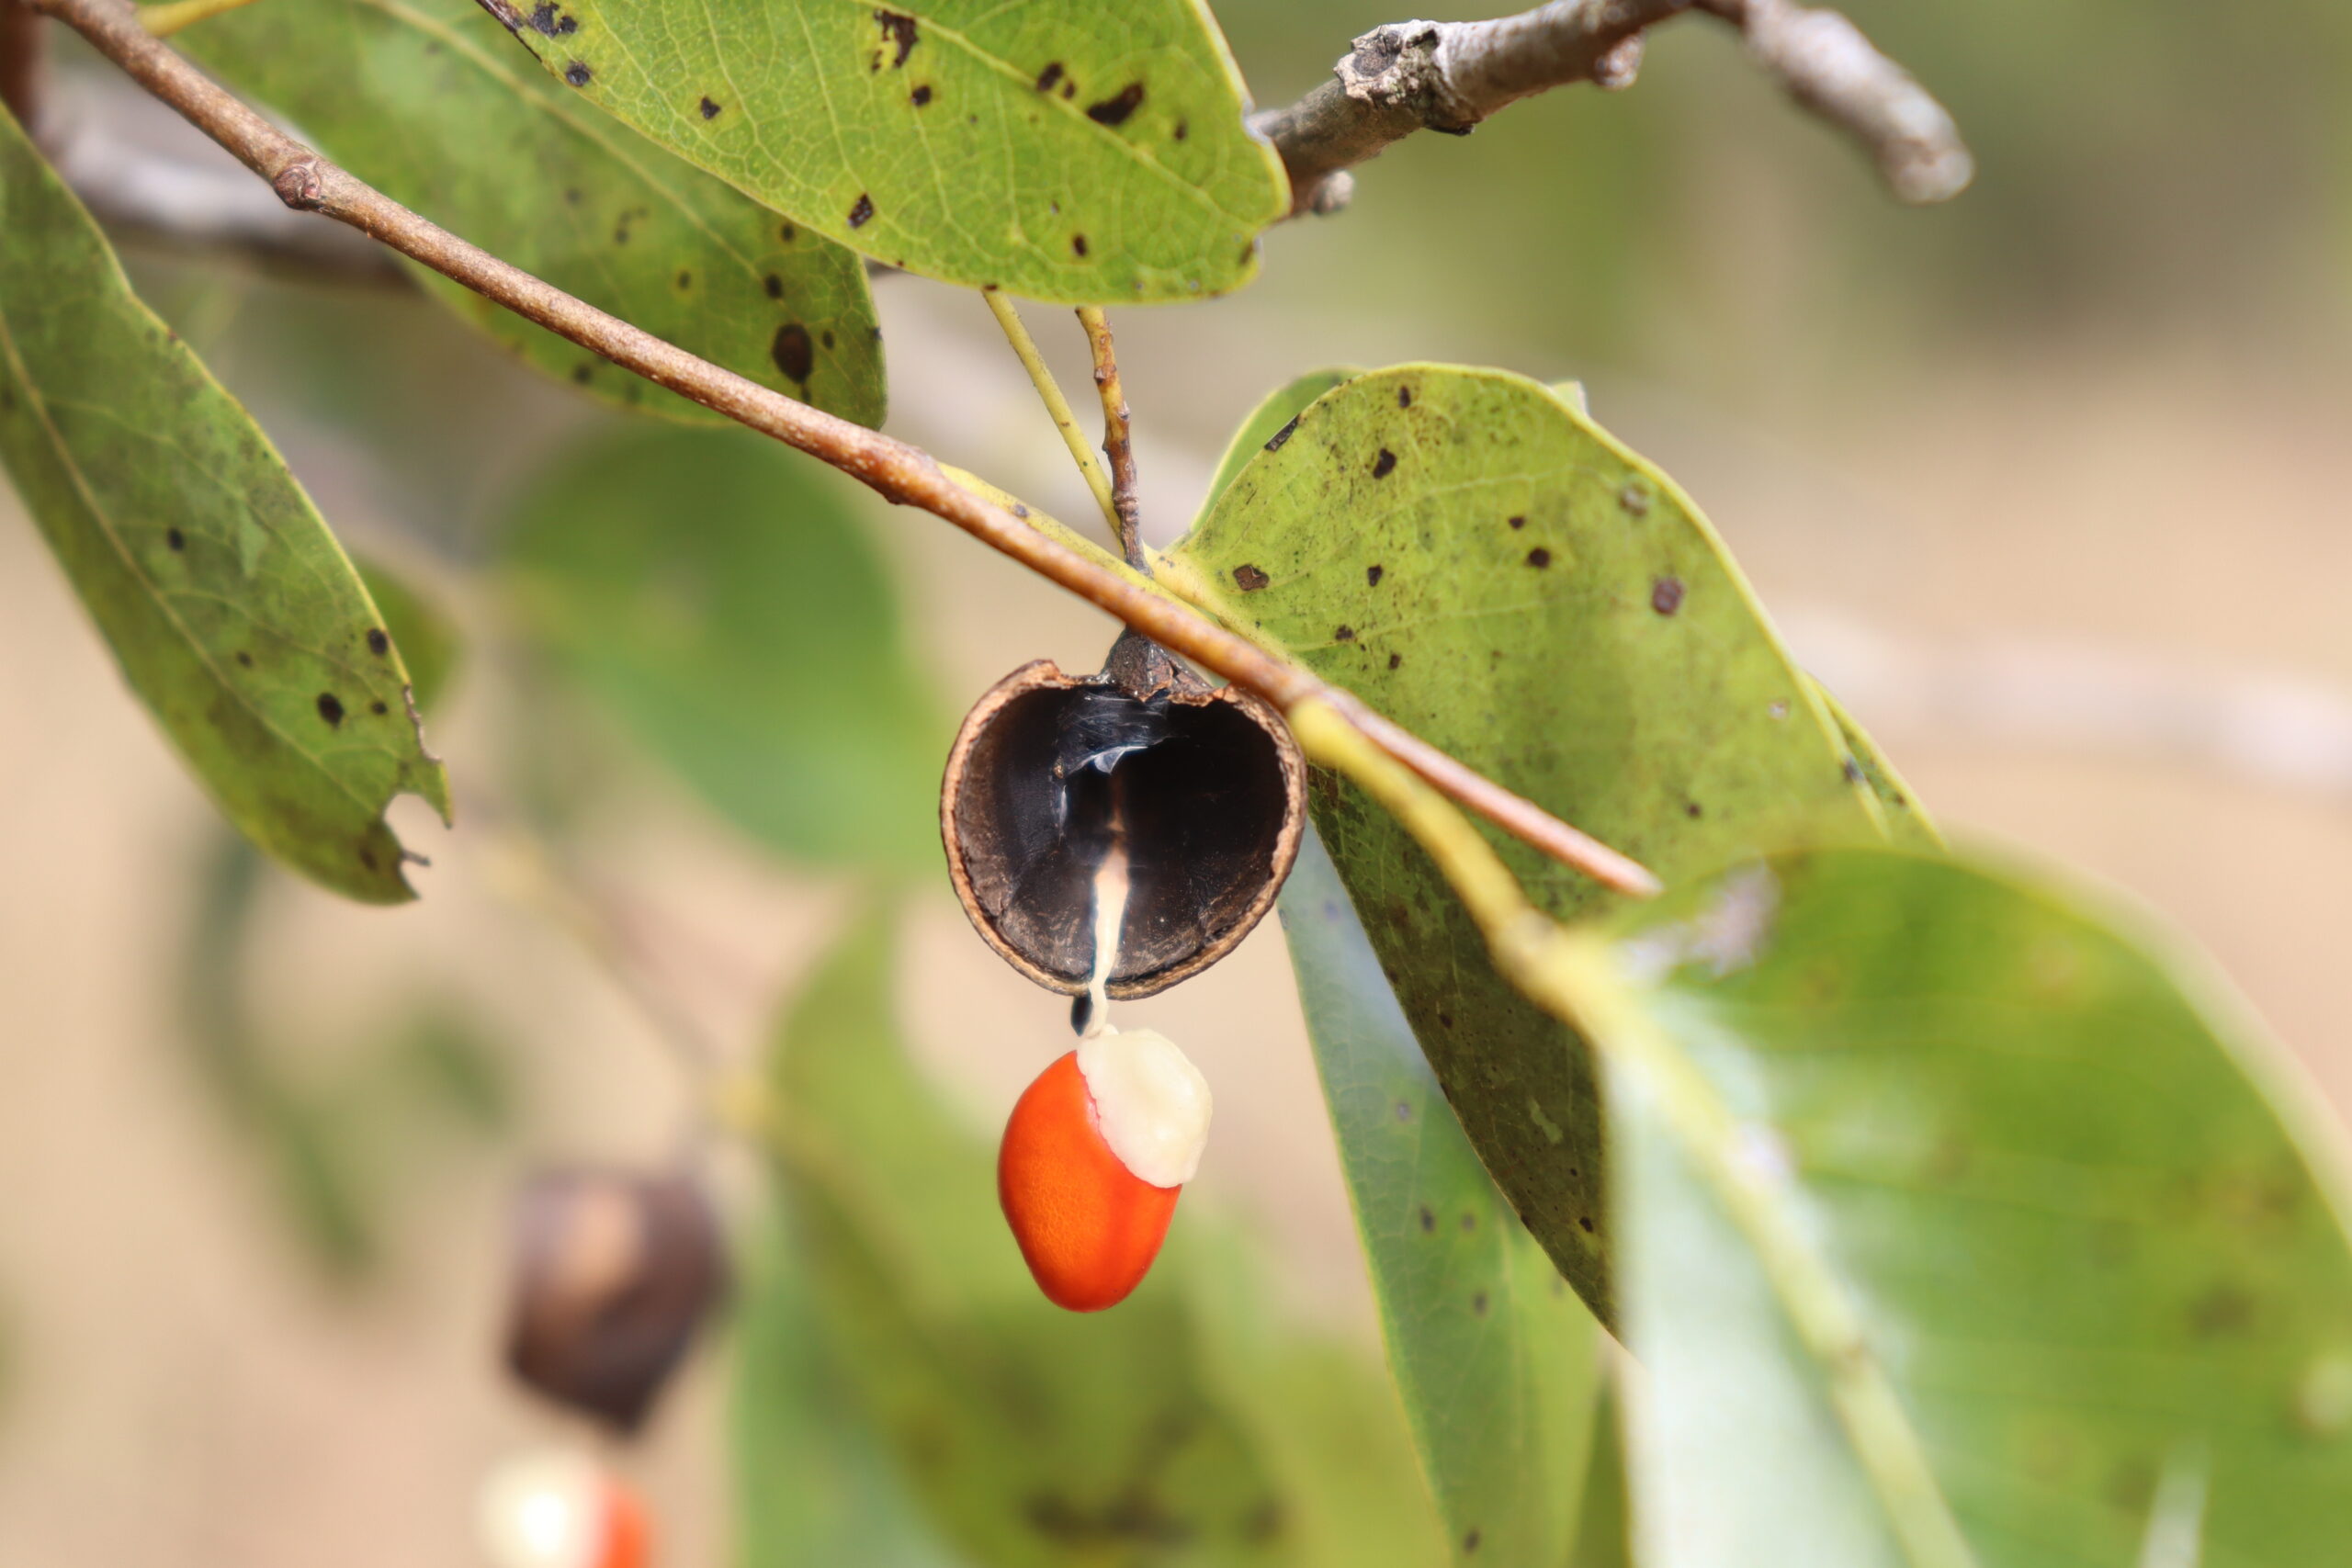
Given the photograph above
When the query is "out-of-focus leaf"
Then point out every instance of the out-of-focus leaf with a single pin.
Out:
(311, 1167)
(427, 639)
(1058, 150)
(1906, 824)
(2077, 1229)
(229, 607)
(448, 1062)
(1323, 1413)
(327, 1145)
(316, 1175)
(1273, 418)
(1496, 1362)
(1603, 1538)
(1484, 564)
(422, 99)
(1032, 1434)
(813, 1482)
(719, 595)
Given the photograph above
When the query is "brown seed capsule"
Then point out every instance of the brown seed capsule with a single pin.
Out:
(1200, 789)
(613, 1272)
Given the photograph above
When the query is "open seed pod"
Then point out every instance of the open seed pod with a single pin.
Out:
(613, 1272)
(1201, 788)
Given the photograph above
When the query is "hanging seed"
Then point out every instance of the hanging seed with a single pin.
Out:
(1200, 789)
(561, 1510)
(613, 1272)
(1096, 1153)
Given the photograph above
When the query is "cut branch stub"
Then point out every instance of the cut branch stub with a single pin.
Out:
(1201, 787)
(614, 1270)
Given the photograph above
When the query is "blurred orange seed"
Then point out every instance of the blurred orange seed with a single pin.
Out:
(560, 1508)
(628, 1528)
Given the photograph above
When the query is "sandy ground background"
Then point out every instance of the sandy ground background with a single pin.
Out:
(2090, 591)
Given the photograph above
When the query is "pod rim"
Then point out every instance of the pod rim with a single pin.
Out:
(1044, 674)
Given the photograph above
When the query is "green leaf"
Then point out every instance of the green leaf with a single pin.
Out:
(332, 1141)
(813, 1482)
(1140, 1435)
(446, 1064)
(422, 99)
(1497, 1364)
(1062, 152)
(2091, 1238)
(1907, 824)
(312, 1167)
(719, 595)
(427, 639)
(1324, 1415)
(1602, 1535)
(1484, 564)
(1270, 418)
(229, 607)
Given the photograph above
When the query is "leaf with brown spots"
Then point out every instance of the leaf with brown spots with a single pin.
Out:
(2089, 1233)
(427, 100)
(1279, 410)
(414, 623)
(228, 603)
(1512, 624)
(1497, 1363)
(1907, 821)
(965, 143)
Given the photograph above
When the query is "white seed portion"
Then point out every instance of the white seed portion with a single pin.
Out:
(544, 1510)
(1149, 1101)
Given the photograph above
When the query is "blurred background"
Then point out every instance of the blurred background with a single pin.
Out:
(2050, 484)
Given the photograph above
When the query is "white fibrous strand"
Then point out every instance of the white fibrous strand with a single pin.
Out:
(1111, 885)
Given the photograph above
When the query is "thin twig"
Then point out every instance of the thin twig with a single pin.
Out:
(898, 472)
(1571, 975)
(1448, 76)
(1118, 436)
(23, 52)
(1049, 390)
(169, 17)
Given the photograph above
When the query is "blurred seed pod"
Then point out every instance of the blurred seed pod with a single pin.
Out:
(613, 1270)
(1202, 787)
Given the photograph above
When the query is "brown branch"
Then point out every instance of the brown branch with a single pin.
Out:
(1448, 76)
(898, 472)
(22, 59)
(1827, 65)
(1118, 436)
